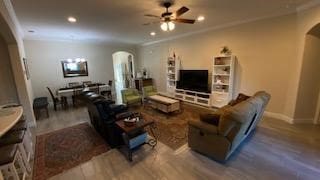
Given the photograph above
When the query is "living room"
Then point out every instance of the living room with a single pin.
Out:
(132, 47)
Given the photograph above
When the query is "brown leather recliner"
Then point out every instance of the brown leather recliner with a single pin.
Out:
(232, 125)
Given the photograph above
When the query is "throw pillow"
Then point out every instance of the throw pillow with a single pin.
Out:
(241, 97)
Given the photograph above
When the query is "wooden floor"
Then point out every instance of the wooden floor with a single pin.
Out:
(276, 150)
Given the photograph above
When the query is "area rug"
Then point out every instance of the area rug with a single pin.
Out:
(66, 148)
(172, 130)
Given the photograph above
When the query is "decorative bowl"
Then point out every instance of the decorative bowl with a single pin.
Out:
(130, 122)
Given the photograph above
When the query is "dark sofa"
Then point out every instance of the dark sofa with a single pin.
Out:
(103, 115)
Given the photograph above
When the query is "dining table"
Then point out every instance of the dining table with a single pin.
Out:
(69, 91)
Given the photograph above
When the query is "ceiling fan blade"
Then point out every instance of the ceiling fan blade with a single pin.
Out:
(149, 23)
(151, 15)
(181, 11)
(189, 21)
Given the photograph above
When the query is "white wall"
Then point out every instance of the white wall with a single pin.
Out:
(264, 48)
(16, 52)
(8, 90)
(45, 58)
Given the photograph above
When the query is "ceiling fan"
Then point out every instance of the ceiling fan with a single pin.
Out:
(168, 18)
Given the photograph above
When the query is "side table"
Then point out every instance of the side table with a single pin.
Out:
(135, 136)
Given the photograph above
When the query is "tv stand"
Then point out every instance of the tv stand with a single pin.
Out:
(194, 97)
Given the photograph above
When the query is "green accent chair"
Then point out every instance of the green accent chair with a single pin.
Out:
(149, 91)
(131, 96)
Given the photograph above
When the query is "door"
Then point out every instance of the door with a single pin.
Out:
(123, 72)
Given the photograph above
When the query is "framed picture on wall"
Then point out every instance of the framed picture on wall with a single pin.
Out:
(74, 68)
(25, 63)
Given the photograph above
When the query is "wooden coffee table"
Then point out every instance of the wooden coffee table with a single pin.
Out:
(132, 133)
(164, 104)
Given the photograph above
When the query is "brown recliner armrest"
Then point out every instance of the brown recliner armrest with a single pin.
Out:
(205, 127)
(211, 118)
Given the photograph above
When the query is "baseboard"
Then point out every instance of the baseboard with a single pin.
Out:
(279, 116)
(303, 121)
(288, 119)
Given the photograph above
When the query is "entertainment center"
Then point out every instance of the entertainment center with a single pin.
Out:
(193, 85)
(195, 97)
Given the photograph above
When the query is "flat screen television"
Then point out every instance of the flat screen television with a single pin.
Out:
(193, 80)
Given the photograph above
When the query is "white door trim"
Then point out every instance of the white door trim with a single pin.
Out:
(317, 115)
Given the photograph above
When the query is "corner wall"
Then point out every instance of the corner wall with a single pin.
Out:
(8, 89)
(265, 50)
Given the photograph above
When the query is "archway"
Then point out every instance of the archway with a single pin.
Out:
(308, 100)
(124, 72)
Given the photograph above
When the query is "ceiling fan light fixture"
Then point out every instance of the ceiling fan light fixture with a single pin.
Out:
(167, 26)
(72, 19)
(164, 26)
(171, 26)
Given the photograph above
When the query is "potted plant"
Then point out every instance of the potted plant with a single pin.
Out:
(225, 51)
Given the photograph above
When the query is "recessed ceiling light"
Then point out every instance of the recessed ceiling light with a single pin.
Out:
(72, 19)
(152, 33)
(200, 18)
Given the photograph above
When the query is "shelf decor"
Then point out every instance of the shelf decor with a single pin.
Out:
(222, 80)
(225, 51)
(172, 73)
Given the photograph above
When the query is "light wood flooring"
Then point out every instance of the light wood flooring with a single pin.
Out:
(276, 150)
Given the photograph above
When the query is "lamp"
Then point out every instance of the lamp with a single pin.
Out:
(165, 26)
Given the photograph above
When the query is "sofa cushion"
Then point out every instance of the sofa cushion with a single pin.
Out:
(148, 88)
(133, 98)
(128, 92)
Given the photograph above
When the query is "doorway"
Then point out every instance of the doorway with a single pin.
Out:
(308, 103)
(124, 72)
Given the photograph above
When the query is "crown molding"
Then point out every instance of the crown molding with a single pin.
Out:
(227, 25)
(308, 5)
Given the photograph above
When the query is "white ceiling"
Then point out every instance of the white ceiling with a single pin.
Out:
(120, 21)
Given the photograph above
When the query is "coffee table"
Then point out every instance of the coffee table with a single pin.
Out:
(164, 104)
(133, 136)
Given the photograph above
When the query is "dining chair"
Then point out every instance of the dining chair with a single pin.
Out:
(108, 91)
(76, 97)
(73, 84)
(95, 88)
(86, 82)
(56, 101)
